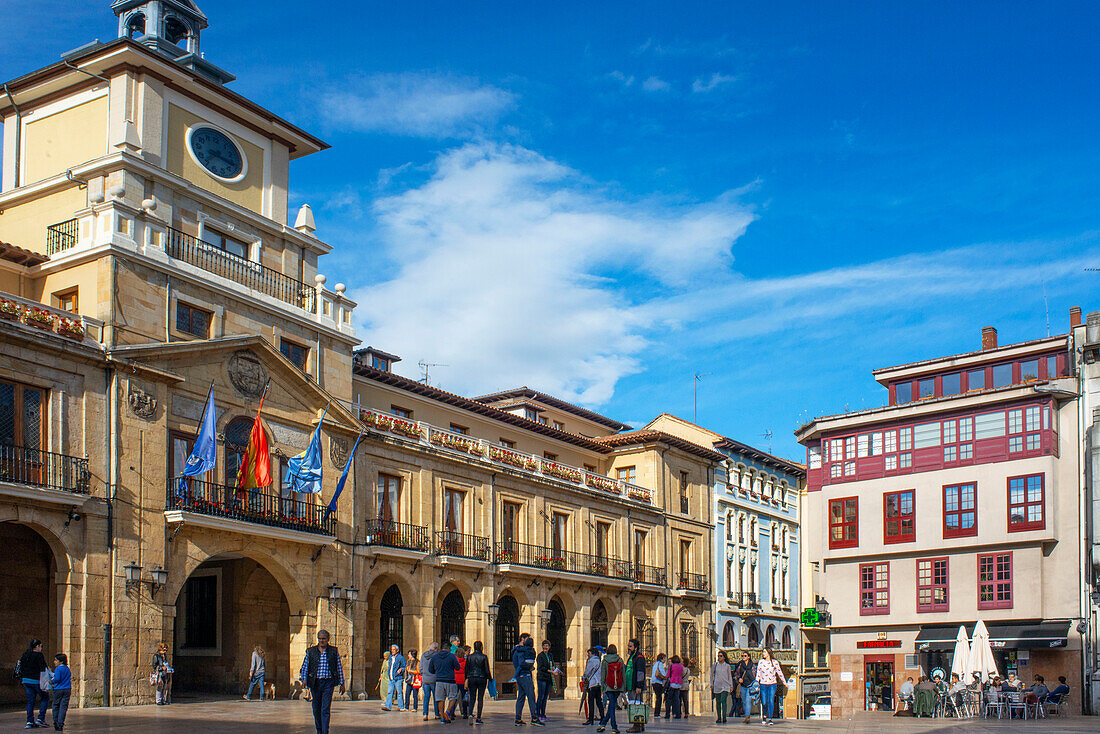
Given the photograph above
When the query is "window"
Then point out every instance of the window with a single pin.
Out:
(591, 468)
(995, 581)
(904, 392)
(296, 353)
(22, 422)
(549, 456)
(379, 363)
(1002, 375)
(452, 509)
(927, 388)
(1029, 370)
(509, 522)
(459, 429)
(1051, 366)
(559, 425)
(926, 435)
(989, 425)
(874, 588)
(401, 412)
(193, 321)
(639, 547)
(898, 516)
(975, 380)
(685, 556)
(507, 444)
(389, 498)
(67, 301)
(1026, 503)
(952, 384)
(531, 415)
(559, 527)
(898, 445)
(843, 522)
(226, 243)
(627, 474)
(542, 420)
(932, 585)
(603, 530)
(960, 510)
(685, 504)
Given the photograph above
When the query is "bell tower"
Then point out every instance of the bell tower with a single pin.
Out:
(170, 27)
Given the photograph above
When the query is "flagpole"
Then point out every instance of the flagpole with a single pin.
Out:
(259, 410)
(297, 471)
(202, 419)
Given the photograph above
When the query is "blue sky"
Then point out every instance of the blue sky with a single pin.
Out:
(602, 199)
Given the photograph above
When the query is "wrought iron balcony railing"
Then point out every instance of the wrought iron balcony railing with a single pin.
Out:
(525, 554)
(36, 468)
(654, 575)
(61, 236)
(213, 259)
(263, 506)
(453, 543)
(692, 582)
(745, 600)
(397, 535)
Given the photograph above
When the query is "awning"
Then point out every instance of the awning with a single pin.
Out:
(1046, 634)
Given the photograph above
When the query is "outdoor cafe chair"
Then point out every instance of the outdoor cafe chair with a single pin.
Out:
(1058, 707)
(993, 702)
(1016, 703)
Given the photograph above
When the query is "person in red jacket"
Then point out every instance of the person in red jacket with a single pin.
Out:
(460, 681)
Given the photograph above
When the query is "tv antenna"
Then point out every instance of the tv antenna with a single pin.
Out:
(426, 366)
(767, 436)
(698, 377)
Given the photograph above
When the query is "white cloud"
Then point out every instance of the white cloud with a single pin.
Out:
(716, 80)
(414, 104)
(621, 78)
(656, 84)
(514, 269)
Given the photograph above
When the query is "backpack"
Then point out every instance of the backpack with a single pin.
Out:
(615, 675)
(18, 672)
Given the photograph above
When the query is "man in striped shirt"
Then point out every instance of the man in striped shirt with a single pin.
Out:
(322, 671)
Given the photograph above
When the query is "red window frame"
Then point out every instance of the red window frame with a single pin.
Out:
(935, 579)
(998, 580)
(871, 585)
(844, 524)
(961, 511)
(1022, 508)
(904, 523)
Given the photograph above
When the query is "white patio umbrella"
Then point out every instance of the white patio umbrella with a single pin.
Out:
(981, 654)
(960, 660)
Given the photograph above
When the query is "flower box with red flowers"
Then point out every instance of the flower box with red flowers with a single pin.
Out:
(377, 420)
(639, 493)
(406, 428)
(70, 328)
(38, 318)
(506, 556)
(512, 458)
(561, 471)
(598, 482)
(10, 310)
(555, 562)
(458, 443)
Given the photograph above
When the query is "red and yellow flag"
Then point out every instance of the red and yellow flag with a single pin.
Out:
(255, 468)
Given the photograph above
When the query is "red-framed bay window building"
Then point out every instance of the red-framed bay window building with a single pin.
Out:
(949, 504)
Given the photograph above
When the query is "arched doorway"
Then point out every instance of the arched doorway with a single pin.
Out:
(769, 637)
(227, 606)
(787, 638)
(28, 601)
(754, 635)
(729, 635)
(506, 637)
(555, 633)
(391, 631)
(452, 617)
(599, 625)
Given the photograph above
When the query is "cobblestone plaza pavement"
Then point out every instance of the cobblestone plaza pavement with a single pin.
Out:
(294, 717)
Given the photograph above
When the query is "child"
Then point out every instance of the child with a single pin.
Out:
(61, 686)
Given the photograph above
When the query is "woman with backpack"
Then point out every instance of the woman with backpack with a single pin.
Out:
(31, 666)
(744, 673)
(768, 675)
(613, 677)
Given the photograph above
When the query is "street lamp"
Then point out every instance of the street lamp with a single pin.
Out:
(133, 574)
(160, 579)
(491, 614)
(351, 594)
(335, 592)
(822, 607)
(545, 614)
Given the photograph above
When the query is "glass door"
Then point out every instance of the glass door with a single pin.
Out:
(878, 680)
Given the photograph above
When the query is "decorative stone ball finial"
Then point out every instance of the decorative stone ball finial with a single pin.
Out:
(319, 279)
(340, 288)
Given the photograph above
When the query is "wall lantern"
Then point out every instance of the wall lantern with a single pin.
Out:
(545, 614)
(335, 592)
(133, 574)
(351, 594)
(494, 611)
(160, 579)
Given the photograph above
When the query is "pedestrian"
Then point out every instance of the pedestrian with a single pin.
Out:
(744, 674)
(721, 683)
(675, 683)
(478, 675)
(443, 665)
(256, 673)
(523, 661)
(31, 666)
(427, 676)
(613, 677)
(393, 674)
(592, 680)
(61, 687)
(685, 686)
(544, 665)
(384, 677)
(636, 684)
(460, 681)
(322, 671)
(412, 682)
(768, 674)
(162, 674)
(456, 642)
(657, 680)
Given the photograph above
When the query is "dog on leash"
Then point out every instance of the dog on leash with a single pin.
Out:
(269, 691)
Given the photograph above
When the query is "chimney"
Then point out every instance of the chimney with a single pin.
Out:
(1074, 316)
(989, 338)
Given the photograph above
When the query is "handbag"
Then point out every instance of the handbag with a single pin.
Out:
(44, 680)
(492, 688)
(418, 680)
(152, 679)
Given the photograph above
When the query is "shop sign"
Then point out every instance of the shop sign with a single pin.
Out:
(809, 617)
(815, 688)
(877, 644)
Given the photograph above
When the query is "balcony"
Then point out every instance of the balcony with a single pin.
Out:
(44, 470)
(536, 556)
(653, 575)
(210, 258)
(389, 534)
(479, 450)
(43, 318)
(263, 506)
(61, 236)
(460, 545)
(744, 600)
(692, 582)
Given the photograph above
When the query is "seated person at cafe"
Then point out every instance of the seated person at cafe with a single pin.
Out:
(957, 688)
(905, 692)
(939, 685)
(925, 685)
(1012, 683)
(925, 694)
(1059, 691)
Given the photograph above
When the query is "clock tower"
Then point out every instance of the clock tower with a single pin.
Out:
(171, 27)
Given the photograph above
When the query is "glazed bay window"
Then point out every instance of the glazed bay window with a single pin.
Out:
(995, 581)
(874, 588)
(932, 585)
(192, 320)
(899, 512)
(960, 510)
(898, 447)
(296, 353)
(958, 439)
(1026, 505)
(844, 522)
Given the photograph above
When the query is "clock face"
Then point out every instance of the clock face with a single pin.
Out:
(216, 153)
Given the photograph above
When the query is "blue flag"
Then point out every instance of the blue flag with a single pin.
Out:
(340, 484)
(205, 453)
(304, 470)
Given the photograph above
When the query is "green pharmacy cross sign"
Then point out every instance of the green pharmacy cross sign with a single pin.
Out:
(810, 617)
